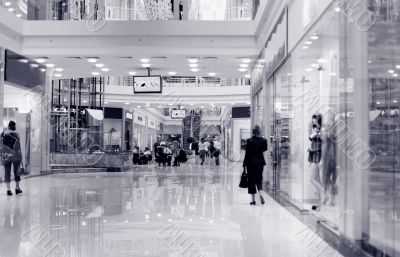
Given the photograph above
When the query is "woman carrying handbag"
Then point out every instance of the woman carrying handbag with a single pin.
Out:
(254, 163)
(11, 156)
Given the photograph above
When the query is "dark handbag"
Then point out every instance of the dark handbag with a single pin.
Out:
(21, 170)
(244, 183)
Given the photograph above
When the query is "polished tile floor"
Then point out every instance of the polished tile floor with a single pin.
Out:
(149, 211)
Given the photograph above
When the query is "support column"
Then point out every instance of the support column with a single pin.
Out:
(45, 124)
(2, 72)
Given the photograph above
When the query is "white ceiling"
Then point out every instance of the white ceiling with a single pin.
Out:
(223, 66)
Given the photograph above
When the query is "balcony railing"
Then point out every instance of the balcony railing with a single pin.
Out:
(184, 81)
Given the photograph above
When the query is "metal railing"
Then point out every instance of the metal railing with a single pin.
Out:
(235, 13)
(184, 81)
(127, 14)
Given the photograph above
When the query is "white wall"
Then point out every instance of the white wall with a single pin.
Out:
(238, 124)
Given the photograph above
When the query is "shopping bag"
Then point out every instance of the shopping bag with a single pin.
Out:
(243, 180)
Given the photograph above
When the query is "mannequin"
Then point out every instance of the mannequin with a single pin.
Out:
(329, 160)
(315, 157)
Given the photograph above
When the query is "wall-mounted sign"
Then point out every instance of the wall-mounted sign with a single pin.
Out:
(129, 116)
(178, 114)
(145, 85)
(151, 124)
(241, 112)
(139, 119)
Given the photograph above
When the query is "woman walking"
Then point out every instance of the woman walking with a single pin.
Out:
(254, 163)
(11, 156)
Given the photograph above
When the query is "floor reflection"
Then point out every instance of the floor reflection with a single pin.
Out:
(122, 214)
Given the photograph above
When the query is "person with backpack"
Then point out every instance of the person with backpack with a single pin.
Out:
(11, 156)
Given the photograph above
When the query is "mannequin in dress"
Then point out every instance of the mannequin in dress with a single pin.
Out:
(315, 157)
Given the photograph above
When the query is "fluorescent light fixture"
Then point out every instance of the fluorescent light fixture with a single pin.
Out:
(95, 73)
(144, 60)
(40, 60)
(212, 74)
(50, 65)
(105, 69)
(99, 65)
(391, 71)
(193, 65)
(132, 73)
(105, 102)
(308, 42)
(244, 65)
(242, 69)
(246, 60)
(193, 60)
(172, 73)
(59, 69)
(23, 60)
(146, 65)
(57, 75)
(92, 60)
(194, 69)
(247, 76)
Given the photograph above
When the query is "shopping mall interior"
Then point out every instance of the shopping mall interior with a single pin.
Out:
(144, 127)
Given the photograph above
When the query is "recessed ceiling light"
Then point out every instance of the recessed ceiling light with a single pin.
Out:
(127, 103)
(337, 9)
(50, 65)
(7, 4)
(305, 47)
(193, 65)
(398, 67)
(160, 106)
(139, 106)
(202, 107)
(332, 74)
(34, 65)
(309, 69)
(193, 60)
(391, 71)
(146, 65)
(244, 65)
(92, 60)
(395, 75)
(248, 103)
(308, 42)
(172, 73)
(57, 75)
(132, 73)
(395, 101)
(194, 69)
(144, 60)
(43, 70)
(314, 37)
(95, 73)
(105, 102)
(99, 65)
(246, 60)
(212, 74)
(84, 101)
(105, 69)
(40, 60)
(247, 76)
(23, 60)
(10, 9)
(242, 69)
(191, 104)
(170, 104)
(59, 69)
(18, 15)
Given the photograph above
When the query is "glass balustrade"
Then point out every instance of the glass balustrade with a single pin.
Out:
(131, 9)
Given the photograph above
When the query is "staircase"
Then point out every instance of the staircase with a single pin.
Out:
(191, 128)
(187, 122)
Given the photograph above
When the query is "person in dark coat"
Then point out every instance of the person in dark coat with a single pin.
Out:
(254, 163)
